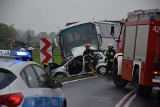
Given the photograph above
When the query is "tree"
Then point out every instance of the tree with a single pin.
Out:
(29, 36)
(19, 44)
(7, 35)
(21, 35)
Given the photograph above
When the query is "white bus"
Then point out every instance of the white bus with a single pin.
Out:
(97, 34)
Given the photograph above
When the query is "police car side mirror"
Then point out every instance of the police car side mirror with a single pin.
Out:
(57, 84)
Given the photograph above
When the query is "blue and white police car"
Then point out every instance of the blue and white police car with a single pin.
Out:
(27, 84)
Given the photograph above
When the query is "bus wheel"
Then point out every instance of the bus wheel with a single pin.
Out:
(117, 80)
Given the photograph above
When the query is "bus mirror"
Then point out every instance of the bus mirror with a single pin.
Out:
(99, 39)
(112, 30)
(98, 30)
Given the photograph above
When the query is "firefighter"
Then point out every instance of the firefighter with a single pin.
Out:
(45, 65)
(109, 58)
(30, 49)
(90, 59)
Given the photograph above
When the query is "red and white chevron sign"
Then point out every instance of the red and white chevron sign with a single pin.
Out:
(46, 50)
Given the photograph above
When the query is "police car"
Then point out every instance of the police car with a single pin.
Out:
(27, 84)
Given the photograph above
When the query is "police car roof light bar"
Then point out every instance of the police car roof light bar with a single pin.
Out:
(8, 53)
(25, 54)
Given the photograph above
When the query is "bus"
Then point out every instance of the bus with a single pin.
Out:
(96, 33)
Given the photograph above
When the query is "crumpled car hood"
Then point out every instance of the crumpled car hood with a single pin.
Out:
(79, 50)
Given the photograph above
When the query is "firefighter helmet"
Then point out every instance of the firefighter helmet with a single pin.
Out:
(30, 48)
(110, 46)
(87, 45)
(22, 49)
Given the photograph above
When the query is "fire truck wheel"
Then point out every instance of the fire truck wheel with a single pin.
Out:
(117, 80)
(148, 91)
(137, 87)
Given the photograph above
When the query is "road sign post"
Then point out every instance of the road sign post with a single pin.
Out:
(46, 52)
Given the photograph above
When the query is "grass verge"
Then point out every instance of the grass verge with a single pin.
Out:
(74, 77)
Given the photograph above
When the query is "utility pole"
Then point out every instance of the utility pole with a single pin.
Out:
(28, 36)
(11, 39)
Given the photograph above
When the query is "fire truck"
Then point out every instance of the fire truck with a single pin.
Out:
(138, 53)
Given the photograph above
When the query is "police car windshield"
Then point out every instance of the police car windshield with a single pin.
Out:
(6, 77)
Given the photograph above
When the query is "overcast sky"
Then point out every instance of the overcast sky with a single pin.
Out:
(48, 15)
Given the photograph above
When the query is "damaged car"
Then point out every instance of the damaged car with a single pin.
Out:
(74, 65)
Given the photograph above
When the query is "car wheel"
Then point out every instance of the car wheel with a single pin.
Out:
(117, 80)
(64, 104)
(60, 75)
(101, 70)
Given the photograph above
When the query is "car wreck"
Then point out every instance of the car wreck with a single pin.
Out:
(74, 65)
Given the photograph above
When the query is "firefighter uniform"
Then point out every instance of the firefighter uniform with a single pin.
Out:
(90, 60)
(30, 49)
(45, 65)
(110, 58)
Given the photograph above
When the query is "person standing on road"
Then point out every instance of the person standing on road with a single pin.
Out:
(110, 57)
(30, 49)
(90, 60)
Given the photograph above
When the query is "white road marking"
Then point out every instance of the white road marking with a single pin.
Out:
(130, 100)
(78, 80)
(119, 104)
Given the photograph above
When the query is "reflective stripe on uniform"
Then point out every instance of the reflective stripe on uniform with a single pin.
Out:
(86, 61)
(84, 55)
(111, 53)
(111, 60)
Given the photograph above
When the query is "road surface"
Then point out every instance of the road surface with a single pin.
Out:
(101, 92)
(95, 92)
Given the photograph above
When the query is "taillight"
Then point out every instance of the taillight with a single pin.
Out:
(3, 98)
(11, 100)
(156, 73)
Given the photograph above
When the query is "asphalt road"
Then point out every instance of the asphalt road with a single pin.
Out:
(95, 92)
(152, 101)
(101, 92)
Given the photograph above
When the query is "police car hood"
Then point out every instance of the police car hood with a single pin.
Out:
(79, 50)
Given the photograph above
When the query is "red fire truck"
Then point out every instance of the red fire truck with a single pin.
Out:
(138, 55)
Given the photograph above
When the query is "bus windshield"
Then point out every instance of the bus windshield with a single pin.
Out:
(77, 36)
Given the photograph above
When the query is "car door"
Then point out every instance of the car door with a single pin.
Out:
(6, 78)
(52, 97)
(75, 66)
(32, 91)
